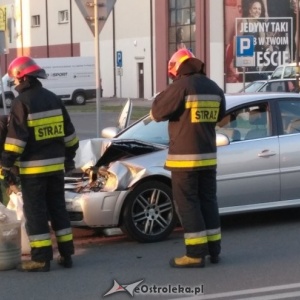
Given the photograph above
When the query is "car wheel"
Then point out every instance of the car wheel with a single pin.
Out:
(79, 98)
(149, 212)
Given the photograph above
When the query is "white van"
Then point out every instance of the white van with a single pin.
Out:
(285, 71)
(70, 78)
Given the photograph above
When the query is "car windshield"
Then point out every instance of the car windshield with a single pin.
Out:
(147, 130)
(277, 73)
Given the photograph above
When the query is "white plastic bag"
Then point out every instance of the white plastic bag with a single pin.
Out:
(16, 203)
(7, 215)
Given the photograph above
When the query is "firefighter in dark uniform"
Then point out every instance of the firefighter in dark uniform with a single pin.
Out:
(41, 139)
(3, 132)
(193, 104)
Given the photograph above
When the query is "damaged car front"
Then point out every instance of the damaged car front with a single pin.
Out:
(123, 185)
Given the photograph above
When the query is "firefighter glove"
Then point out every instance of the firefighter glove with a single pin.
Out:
(9, 178)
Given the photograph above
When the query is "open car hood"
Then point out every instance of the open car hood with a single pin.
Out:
(91, 150)
(110, 165)
(101, 152)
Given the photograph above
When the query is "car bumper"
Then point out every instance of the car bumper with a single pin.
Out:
(99, 209)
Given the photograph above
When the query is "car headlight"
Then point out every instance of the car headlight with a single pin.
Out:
(74, 201)
(119, 176)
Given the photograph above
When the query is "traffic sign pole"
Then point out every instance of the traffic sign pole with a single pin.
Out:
(97, 64)
(120, 87)
(120, 70)
(90, 12)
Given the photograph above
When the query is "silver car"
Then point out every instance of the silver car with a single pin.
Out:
(276, 85)
(124, 184)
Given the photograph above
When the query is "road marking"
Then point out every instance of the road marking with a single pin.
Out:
(252, 291)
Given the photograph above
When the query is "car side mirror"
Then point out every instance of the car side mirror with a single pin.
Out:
(222, 140)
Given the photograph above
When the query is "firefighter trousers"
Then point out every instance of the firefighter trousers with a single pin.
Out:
(44, 201)
(195, 199)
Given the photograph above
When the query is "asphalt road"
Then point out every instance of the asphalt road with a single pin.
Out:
(85, 124)
(260, 261)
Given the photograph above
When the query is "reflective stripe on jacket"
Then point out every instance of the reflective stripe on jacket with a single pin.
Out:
(193, 104)
(40, 134)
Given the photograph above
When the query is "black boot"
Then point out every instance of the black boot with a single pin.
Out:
(65, 261)
(214, 259)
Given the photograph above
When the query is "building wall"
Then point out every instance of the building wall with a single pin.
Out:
(216, 41)
(138, 28)
(209, 44)
(161, 46)
(133, 38)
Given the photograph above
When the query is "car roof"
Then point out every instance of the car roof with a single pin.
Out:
(261, 80)
(282, 79)
(272, 80)
(293, 64)
(233, 100)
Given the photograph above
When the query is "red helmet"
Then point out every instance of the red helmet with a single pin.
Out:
(177, 59)
(25, 65)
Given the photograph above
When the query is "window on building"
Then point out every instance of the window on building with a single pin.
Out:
(63, 16)
(35, 21)
(181, 25)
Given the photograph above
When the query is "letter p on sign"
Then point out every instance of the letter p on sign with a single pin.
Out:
(244, 45)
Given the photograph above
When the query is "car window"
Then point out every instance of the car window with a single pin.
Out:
(277, 86)
(290, 116)
(253, 86)
(291, 86)
(247, 123)
(277, 73)
(147, 130)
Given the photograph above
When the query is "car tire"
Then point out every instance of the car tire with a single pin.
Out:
(79, 98)
(148, 222)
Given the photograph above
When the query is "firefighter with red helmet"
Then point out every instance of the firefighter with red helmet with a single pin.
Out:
(41, 140)
(192, 104)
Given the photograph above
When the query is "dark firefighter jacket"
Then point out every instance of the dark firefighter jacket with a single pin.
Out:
(193, 104)
(3, 131)
(40, 132)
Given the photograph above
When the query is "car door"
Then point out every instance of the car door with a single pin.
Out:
(289, 140)
(248, 168)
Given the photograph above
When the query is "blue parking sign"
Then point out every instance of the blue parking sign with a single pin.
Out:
(119, 59)
(244, 45)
